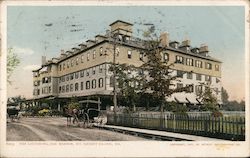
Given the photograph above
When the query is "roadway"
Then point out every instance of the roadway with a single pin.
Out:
(56, 129)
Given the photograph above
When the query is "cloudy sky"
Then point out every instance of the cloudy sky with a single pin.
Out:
(33, 31)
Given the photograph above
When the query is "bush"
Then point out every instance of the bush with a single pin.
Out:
(217, 114)
(44, 112)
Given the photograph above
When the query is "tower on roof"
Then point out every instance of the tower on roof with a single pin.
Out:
(121, 28)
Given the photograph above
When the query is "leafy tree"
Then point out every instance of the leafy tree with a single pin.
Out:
(160, 83)
(128, 85)
(209, 100)
(12, 62)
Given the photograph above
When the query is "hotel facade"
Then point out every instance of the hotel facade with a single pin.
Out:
(84, 71)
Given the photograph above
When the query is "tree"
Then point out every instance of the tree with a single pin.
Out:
(128, 85)
(209, 100)
(12, 62)
(160, 82)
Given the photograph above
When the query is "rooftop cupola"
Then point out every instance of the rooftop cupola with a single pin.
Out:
(122, 29)
(185, 46)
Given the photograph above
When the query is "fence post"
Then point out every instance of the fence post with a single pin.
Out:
(174, 123)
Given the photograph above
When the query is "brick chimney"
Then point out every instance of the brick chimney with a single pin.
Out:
(185, 45)
(164, 39)
(204, 50)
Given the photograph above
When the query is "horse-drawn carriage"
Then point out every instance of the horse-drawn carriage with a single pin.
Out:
(87, 113)
(13, 113)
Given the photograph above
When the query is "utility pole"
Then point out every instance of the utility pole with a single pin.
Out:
(114, 79)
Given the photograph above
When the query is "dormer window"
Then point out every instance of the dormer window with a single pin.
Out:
(175, 45)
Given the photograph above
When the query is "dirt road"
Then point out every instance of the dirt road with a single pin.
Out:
(56, 129)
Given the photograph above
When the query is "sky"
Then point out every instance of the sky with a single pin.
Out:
(33, 31)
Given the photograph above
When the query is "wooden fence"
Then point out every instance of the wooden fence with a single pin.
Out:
(227, 127)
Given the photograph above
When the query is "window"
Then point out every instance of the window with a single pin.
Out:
(189, 75)
(198, 89)
(198, 63)
(198, 77)
(100, 68)
(71, 87)
(88, 57)
(190, 88)
(82, 73)
(49, 89)
(93, 84)
(60, 68)
(60, 89)
(68, 63)
(180, 73)
(189, 62)
(63, 66)
(77, 60)
(72, 62)
(208, 66)
(100, 82)
(141, 56)
(208, 78)
(93, 70)
(76, 75)
(165, 57)
(129, 54)
(179, 59)
(88, 85)
(179, 85)
(76, 86)
(63, 88)
(87, 72)
(67, 88)
(117, 52)
(94, 55)
(72, 76)
(67, 77)
(82, 58)
(101, 51)
(217, 68)
(81, 85)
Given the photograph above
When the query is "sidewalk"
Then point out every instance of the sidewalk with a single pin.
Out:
(156, 133)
